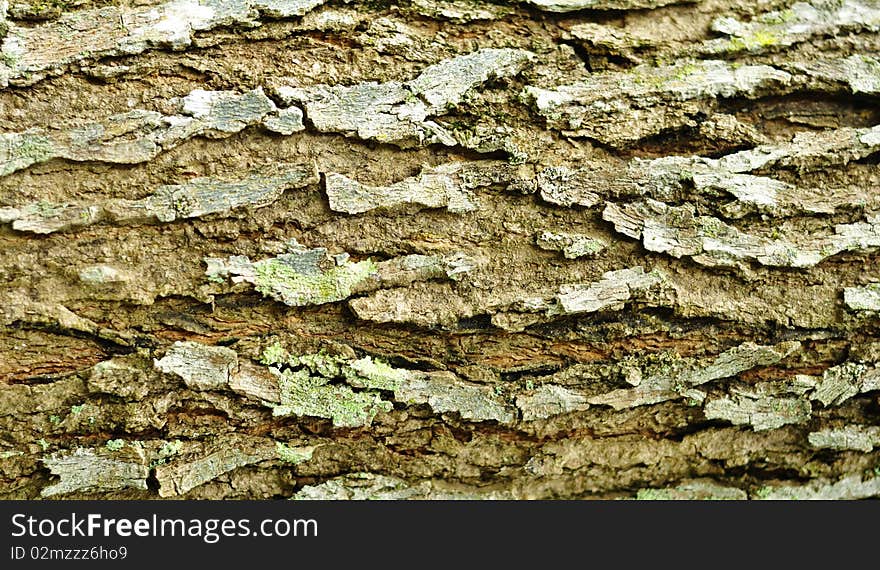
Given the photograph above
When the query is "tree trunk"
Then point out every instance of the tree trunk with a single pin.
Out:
(440, 249)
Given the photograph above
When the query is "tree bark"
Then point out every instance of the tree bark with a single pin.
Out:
(440, 249)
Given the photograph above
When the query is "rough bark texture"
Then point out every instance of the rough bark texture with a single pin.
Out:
(440, 249)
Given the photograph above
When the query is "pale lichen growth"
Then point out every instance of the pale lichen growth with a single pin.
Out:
(101, 274)
(84, 36)
(20, 150)
(807, 150)
(301, 277)
(551, 381)
(619, 108)
(306, 393)
(196, 198)
(285, 121)
(179, 476)
(203, 196)
(313, 277)
(852, 437)
(138, 135)
(227, 111)
(865, 298)
(308, 389)
(444, 85)
(840, 383)
(274, 354)
(759, 411)
(677, 231)
(567, 187)
(85, 470)
(201, 367)
(696, 490)
(679, 378)
(798, 23)
(550, 400)
(571, 245)
(575, 5)
(399, 112)
(751, 191)
(374, 374)
(373, 486)
(45, 218)
(445, 392)
(170, 448)
(680, 178)
(461, 11)
(294, 455)
(437, 187)
(858, 74)
(611, 293)
(770, 405)
(167, 451)
(282, 279)
(848, 488)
